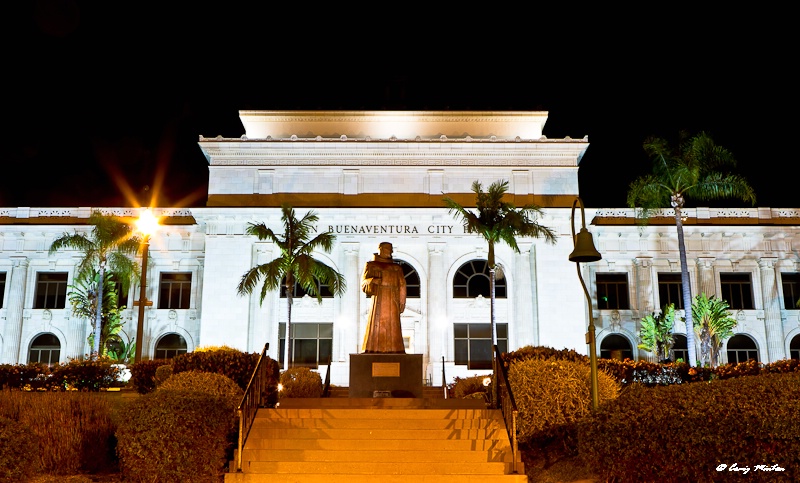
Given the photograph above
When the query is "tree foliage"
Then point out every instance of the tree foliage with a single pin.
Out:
(111, 245)
(713, 324)
(295, 264)
(656, 332)
(83, 298)
(698, 169)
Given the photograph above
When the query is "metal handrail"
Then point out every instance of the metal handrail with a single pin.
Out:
(252, 400)
(506, 404)
(444, 380)
(326, 389)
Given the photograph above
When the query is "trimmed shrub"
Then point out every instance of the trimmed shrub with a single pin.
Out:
(162, 374)
(747, 420)
(18, 452)
(174, 435)
(543, 353)
(85, 374)
(552, 394)
(300, 382)
(143, 374)
(206, 382)
(469, 387)
(233, 363)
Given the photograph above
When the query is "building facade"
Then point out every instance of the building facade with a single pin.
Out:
(381, 176)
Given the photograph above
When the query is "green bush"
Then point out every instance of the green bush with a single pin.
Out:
(162, 374)
(747, 420)
(300, 382)
(553, 394)
(235, 364)
(18, 452)
(469, 387)
(543, 353)
(207, 382)
(85, 374)
(174, 435)
(143, 374)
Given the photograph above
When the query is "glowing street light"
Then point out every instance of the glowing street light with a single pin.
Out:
(584, 251)
(146, 225)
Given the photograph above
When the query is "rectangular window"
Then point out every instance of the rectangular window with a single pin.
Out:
(736, 290)
(51, 290)
(670, 290)
(612, 291)
(174, 290)
(790, 282)
(312, 344)
(473, 344)
(2, 288)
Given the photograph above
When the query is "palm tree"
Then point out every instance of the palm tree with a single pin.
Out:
(83, 297)
(295, 264)
(656, 332)
(713, 324)
(112, 246)
(498, 221)
(697, 168)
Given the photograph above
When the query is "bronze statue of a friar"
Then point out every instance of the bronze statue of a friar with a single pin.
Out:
(385, 283)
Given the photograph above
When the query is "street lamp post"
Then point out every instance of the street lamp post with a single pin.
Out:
(146, 225)
(584, 251)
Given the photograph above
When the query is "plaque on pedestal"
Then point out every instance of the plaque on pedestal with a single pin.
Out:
(385, 375)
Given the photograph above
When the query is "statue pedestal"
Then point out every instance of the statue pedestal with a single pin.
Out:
(385, 375)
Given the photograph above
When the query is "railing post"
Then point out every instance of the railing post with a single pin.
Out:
(444, 380)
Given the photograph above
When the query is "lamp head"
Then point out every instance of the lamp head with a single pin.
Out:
(584, 248)
(147, 223)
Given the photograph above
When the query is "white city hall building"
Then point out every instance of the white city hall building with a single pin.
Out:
(379, 176)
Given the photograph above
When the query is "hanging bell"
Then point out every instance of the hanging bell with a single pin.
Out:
(584, 248)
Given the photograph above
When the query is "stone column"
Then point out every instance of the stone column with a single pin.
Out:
(645, 294)
(527, 326)
(437, 312)
(772, 309)
(78, 329)
(14, 310)
(349, 341)
(260, 330)
(706, 268)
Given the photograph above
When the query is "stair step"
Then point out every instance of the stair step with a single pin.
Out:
(376, 444)
(388, 440)
(374, 413)
(375, 468)
(421, 434)
(381, 402)
(419, 455)
(357, 478)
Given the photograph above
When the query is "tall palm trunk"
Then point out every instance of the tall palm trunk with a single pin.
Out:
(495, 362)
(98, 317)
(288, 342)
(685, 285)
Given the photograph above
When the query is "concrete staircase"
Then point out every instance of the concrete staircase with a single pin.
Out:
(388, 440)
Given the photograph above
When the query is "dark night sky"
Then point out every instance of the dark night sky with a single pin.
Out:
(98, 92)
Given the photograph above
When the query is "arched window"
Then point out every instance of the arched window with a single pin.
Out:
(45, 349)
(412, 279)
(741, 348)
(170, 346)
(299, 291)
(472, 279)
(680, 349)
(615, 347)
(794, 348)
